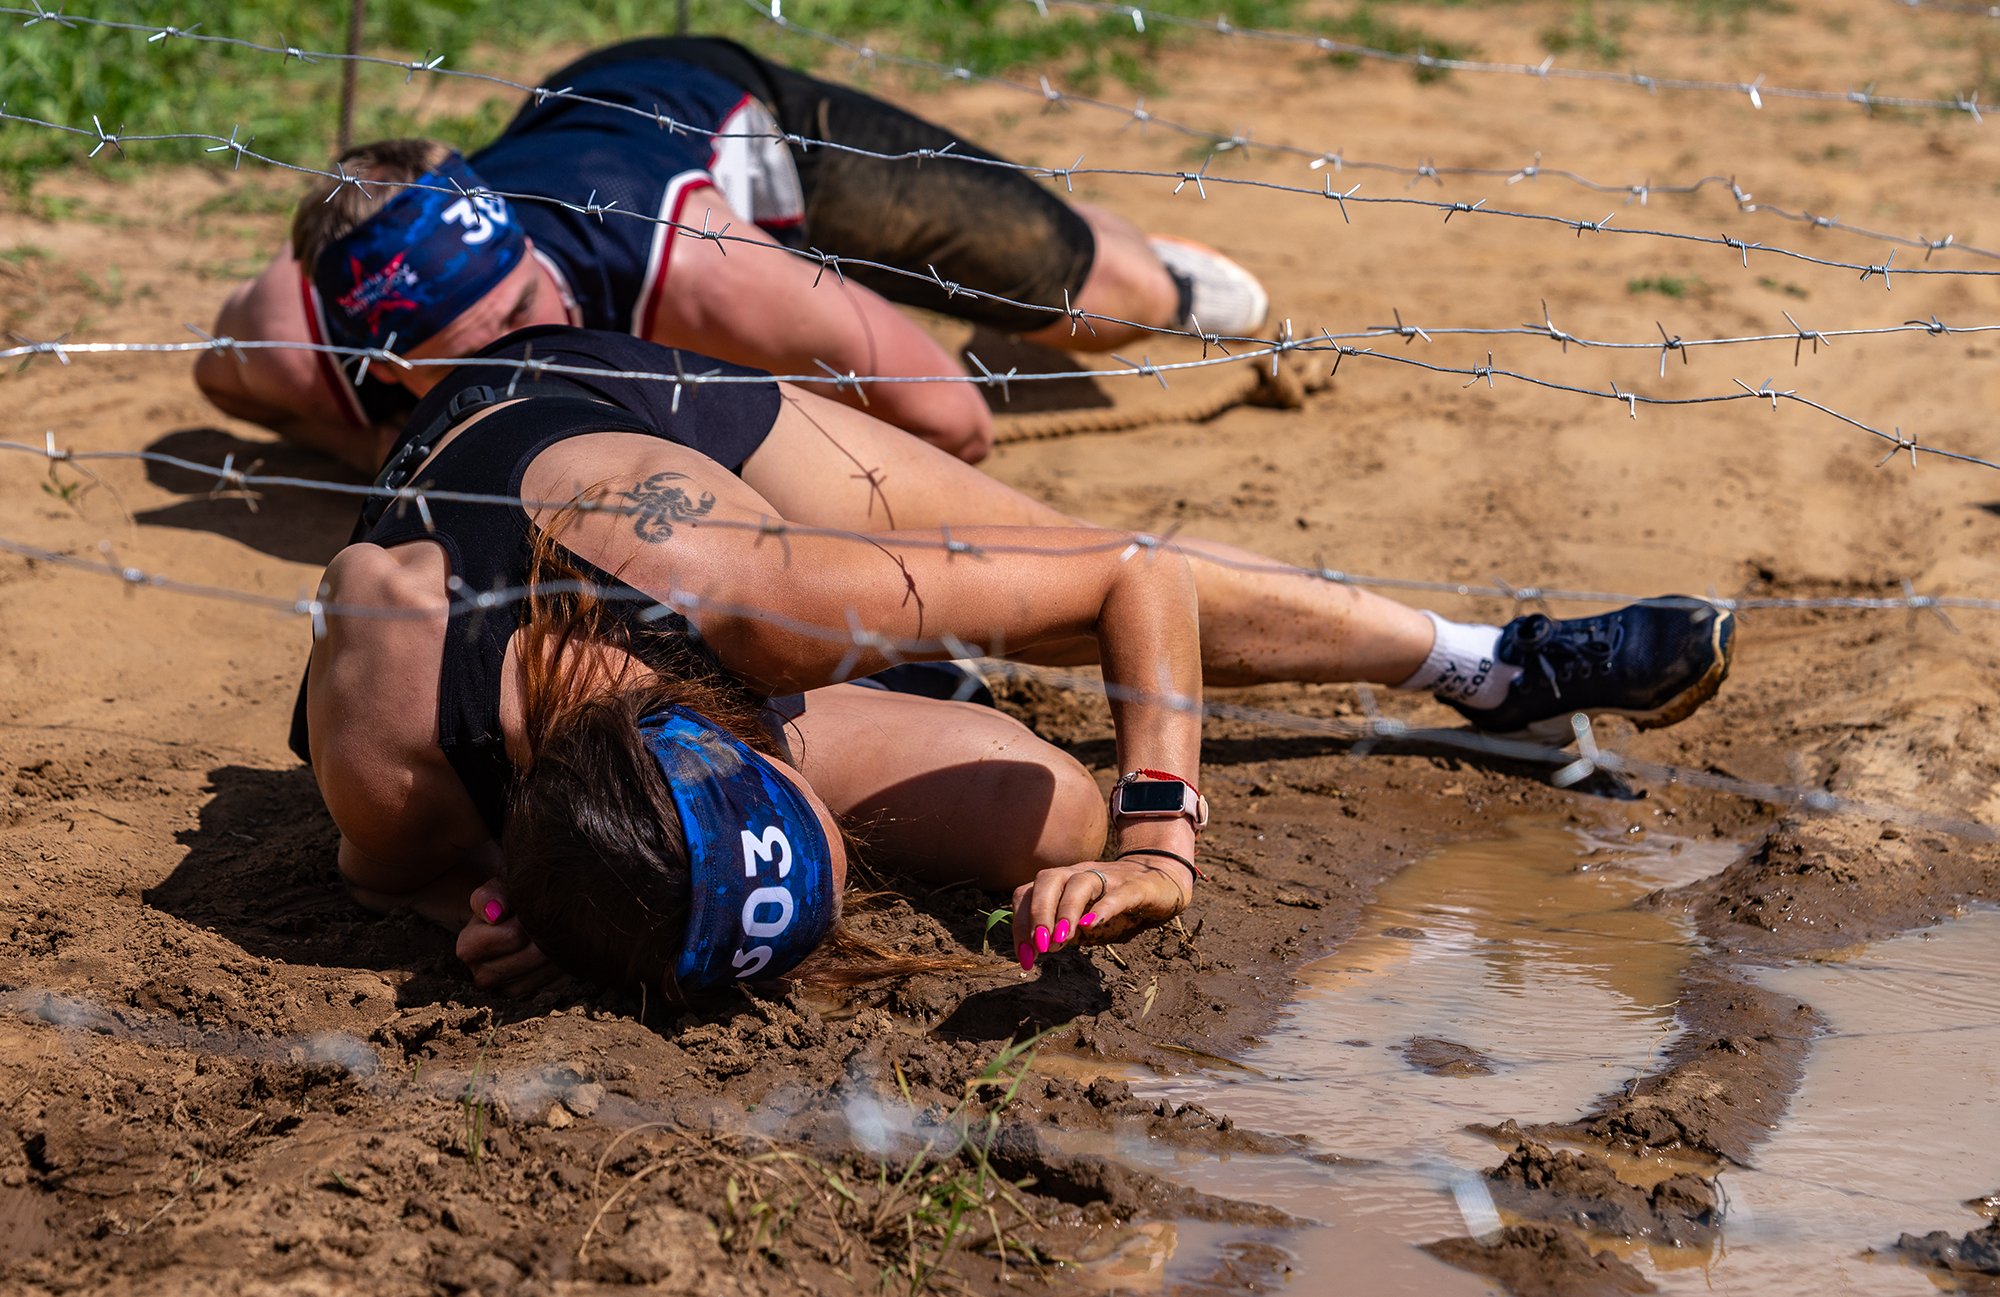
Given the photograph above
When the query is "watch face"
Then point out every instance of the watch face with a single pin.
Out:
(1154, 797)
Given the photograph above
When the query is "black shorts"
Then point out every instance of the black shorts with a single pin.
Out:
(991, 229)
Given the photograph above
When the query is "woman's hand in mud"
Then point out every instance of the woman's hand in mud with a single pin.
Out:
(497, 949)
(1098, 901)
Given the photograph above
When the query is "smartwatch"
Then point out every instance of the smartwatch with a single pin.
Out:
(1156, 795)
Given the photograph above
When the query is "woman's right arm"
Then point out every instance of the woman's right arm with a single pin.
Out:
(795, 610)
(1032, 586)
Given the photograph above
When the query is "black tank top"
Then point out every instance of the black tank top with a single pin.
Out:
(489, 547)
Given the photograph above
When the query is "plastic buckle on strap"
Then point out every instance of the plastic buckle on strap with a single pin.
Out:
(403, 464)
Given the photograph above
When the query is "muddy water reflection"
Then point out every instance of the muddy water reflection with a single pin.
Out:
(1521, 970)
(1894, 1128)
(1520, 974)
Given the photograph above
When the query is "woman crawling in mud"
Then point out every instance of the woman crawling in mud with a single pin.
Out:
(647, 771)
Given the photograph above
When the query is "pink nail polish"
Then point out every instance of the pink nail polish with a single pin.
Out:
(493, 911)
(1086, 920)
(1062, 931)
(1027, 958)
(1042, 940)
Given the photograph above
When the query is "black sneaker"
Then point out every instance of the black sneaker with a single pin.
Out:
(1653, 662)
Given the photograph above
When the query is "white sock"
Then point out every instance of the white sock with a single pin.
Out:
(1462, 667)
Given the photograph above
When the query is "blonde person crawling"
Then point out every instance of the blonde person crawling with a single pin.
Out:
(588, 777)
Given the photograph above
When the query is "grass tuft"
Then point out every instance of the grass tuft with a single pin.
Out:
(475, 1110)
(1666, 286)
(1365, 25)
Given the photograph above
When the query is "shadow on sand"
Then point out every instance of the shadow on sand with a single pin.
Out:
(259, 871)
(297, 524)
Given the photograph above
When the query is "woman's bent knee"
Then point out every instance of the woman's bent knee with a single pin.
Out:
(1076, 822)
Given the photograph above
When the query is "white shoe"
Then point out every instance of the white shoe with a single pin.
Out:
(1226, 298)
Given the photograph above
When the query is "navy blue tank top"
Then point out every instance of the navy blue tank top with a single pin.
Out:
(612, 268)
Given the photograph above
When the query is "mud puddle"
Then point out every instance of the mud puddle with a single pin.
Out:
(1493, 979)
(1893, 1129)
(1515, 978)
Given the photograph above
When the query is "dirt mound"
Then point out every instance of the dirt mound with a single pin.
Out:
(1545, 1184)
(1540, 1261)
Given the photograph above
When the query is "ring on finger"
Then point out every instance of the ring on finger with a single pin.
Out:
(1103, 883)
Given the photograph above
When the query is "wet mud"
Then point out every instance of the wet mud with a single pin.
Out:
(1971, 1259)
(1727, 1077)
(1542, 1261)
(1563, 1185)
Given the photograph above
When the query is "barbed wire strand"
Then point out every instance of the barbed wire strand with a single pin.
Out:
(1051, 96)
(1898, 443)
(1951, 7)
(1667, 344)
(232, 482)
(1571, 768)
(1755, 91)
(1054, 97)
(1200, 179)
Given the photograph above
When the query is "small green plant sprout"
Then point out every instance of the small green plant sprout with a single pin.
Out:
(916, 1211)
(70, 491)
(997, 1073)
(1583, 34)
(994, 918)
(474, 1108)
(1364, 27)
(70, 481)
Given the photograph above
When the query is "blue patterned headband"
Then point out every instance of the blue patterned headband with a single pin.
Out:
(416, 265)
(763, 890)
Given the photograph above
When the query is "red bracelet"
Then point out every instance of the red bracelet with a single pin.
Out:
(1163, 774)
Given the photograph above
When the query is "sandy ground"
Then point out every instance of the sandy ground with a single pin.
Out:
(216, 1071)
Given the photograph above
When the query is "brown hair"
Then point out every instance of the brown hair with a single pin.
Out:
(595, 862)
(332, 208)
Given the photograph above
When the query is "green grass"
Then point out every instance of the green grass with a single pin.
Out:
(994, 919)
(1666, 286)
(132, 85)
(1366, 25)
(1585, 33)
(475, 1109)
(1733, 14)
